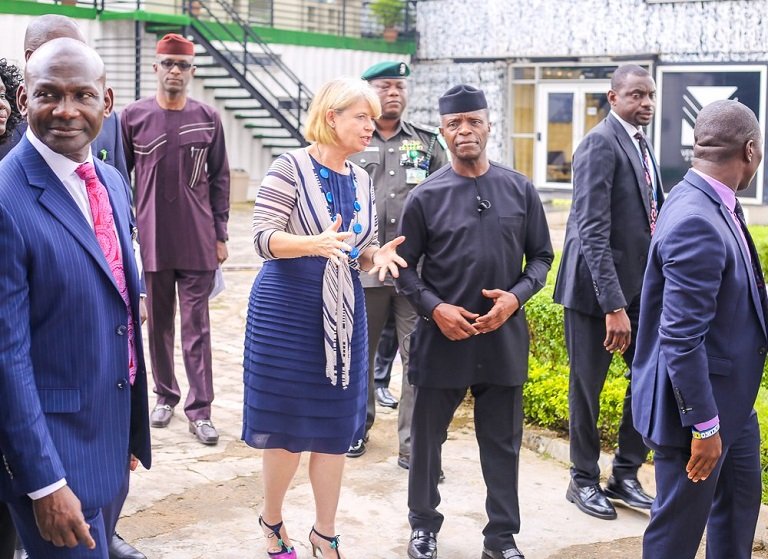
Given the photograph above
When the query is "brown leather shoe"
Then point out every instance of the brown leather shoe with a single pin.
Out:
(204, 430)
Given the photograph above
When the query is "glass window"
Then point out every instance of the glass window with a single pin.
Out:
(559, 136)
(526, 73)
(522, 155)
(577, 72)
(523, 99)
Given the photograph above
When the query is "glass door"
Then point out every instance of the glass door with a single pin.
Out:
(567, 112)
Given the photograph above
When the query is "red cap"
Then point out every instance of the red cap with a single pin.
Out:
(173, 43)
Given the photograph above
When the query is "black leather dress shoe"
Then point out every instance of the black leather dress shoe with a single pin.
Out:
(630, 491)
(384, 398)
(508, 553)
(591, 500)
(120, 549)
(357, 449)
(423, 545)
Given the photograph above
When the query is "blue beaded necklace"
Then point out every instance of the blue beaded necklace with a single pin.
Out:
(323, 175)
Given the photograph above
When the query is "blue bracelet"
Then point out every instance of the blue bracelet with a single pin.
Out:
(705, 434)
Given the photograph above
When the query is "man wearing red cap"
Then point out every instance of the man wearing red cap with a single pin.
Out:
(176, 147)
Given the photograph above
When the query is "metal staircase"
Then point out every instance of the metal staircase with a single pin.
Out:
(247, 76)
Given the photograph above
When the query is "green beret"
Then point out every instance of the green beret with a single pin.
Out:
(387, 70)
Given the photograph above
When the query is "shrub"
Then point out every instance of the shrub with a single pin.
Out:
(545, 395)
(546, 392)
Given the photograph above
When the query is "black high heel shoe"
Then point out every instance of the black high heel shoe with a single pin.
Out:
(334, 541)
(285, 552)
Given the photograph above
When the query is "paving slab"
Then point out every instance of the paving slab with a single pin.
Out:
(203, 502)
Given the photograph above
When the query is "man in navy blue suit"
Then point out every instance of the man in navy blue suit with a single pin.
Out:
(107, 147)
(701, 347)
(73, 392)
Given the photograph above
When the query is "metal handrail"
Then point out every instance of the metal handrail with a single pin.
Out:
(240, 65)
(353, 18)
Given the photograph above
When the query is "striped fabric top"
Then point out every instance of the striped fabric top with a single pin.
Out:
(291, 199)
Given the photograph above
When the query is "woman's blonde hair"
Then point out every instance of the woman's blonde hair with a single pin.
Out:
(337, 95)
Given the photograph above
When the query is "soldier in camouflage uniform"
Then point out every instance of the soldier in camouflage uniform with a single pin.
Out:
(400, 156)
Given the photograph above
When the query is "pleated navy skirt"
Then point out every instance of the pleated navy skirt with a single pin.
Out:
(289, 403)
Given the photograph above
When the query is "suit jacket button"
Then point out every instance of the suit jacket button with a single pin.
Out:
(122, 383)
(121, 330)
(762, 350)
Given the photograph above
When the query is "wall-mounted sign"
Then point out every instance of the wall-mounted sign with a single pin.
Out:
(682, 91)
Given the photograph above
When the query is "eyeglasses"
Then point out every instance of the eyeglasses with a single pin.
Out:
(169, 64)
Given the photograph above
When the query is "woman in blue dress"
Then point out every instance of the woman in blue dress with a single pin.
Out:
(306, 342)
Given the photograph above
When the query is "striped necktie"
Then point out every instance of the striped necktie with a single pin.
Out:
(647, 166)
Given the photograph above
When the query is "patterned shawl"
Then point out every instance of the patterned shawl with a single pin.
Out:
(291, 199)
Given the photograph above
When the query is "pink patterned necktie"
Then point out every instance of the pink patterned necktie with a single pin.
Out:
(652, 202)
(104, 227)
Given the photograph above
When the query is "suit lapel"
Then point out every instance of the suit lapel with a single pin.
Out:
(702, 185)
(633, 155)
(55, 198)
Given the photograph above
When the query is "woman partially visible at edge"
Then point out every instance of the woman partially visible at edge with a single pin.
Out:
(306, 346)
(10, 78)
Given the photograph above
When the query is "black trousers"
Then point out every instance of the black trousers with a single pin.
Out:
(379, 302)
(499, 430)
(386, 351)
(7, 533)
(589, 362)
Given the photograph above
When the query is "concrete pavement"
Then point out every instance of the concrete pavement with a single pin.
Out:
(203, 502)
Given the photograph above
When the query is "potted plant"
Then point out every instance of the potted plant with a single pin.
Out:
(388, 13)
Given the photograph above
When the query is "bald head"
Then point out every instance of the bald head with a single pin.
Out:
(48, 27)
(728, 143)
(65, 97)
(722, 130)
(61, 56)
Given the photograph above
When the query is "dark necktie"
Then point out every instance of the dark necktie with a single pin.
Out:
(652, 200)
(756, 269)
(104, 227)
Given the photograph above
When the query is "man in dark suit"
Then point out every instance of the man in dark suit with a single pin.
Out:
(616, 196)
(472, 333)
(73, 392)
(701, 348)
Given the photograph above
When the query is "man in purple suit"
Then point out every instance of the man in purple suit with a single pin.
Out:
(176, 147)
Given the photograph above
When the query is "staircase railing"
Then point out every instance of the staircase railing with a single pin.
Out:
(257, 68)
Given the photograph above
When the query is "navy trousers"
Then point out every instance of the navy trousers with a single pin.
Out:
(727, 503)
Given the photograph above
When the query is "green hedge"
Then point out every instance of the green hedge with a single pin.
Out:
(546, 392)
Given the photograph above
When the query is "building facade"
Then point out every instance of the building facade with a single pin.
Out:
(545, 66)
